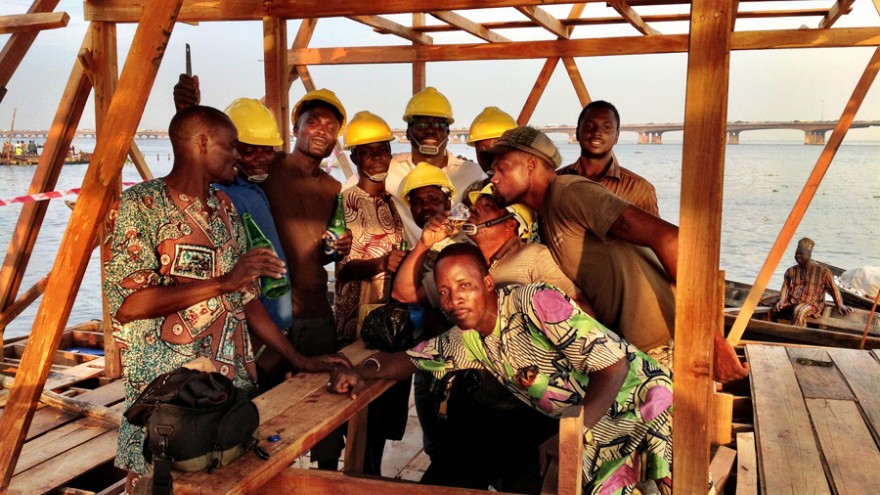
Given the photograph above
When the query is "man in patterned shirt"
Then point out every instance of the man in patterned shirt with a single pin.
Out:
(805, 285)
(551, 356)
(180, 283)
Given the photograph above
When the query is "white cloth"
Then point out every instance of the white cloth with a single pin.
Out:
(864, 281)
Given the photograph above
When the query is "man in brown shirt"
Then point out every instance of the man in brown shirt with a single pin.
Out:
(597, 132)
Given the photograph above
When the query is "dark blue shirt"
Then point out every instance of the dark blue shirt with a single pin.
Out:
(250, 198)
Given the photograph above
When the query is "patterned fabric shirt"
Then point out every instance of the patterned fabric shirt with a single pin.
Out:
(160, 239)
(624, 183)
(376, 230)
(805, 289)
(543, 349)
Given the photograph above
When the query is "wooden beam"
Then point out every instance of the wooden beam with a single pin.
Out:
(315, 482)
(537, 91)
(626, 11)
(21, 244)
(302, 40)
(629, 45)
(803, 201)
(17, 46)
(241, 10)
(140, 163)
(419, 68)
(20, 304)
(105, 74)
(386, 26)
(33, 22)
(571, 451)
(275, 71)
(113, 143)
(603, 21)
(577, 81)
(838, 10)
(469, 26)
(698, 315)
(545, 20)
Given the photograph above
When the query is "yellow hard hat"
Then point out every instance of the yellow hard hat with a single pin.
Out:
(325, 95)
(423, 175)
(524, 215)
(255, 123)
(428, 103)
(490, 123)
(366, 128)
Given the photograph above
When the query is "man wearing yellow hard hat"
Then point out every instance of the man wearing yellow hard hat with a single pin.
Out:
(485, 130)
(428, 116)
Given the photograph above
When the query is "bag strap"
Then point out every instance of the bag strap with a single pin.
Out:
(162, 480)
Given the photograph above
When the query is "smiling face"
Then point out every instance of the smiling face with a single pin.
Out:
(465, 295)
(426, 202)
(316, 132)
(598, 132)
(429, 131)
(802, 256)
(221, 156)
(254, 160)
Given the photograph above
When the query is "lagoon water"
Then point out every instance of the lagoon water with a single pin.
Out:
(762, 183)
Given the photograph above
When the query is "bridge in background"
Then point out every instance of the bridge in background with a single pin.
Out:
(814, 131)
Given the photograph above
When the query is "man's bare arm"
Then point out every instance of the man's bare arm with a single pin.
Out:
(640, 227)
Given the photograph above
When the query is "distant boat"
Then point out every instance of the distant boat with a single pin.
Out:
(78, 158)
(829, 329)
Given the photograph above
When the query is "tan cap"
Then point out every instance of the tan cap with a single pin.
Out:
(530, 140)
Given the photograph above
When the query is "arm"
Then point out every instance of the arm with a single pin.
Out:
(831, 288)
(382, 365)
(156, 301)
(727, 364)
(267, 332)
(602, 391)
(408, 283)
(365, 269)
(186, 92)
(783, 293)
(637, 226)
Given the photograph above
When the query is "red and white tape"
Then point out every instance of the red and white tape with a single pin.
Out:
(30, 198)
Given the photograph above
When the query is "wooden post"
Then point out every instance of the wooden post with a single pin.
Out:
(18, 45)
(70, 109)
(126, 109)
(697, 313)
(537, 91)
(419, 68)
(276, 71)
(104, 79)
(806, 196)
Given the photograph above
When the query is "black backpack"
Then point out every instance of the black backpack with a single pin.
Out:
(194, 420)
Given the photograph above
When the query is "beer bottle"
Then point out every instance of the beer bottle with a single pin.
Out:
(271, 287)
(335, 229)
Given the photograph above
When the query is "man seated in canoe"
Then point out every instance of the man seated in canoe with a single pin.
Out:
(550, 355)
(803, 290)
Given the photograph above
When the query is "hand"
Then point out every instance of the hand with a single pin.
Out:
(778, 306)
(253, 264)
(327, 362)
(186, 92)
(345, 380)
(844, 310)
(727, 364)
(436, 229)
(393, 259)
(548, 451)
(343, 244)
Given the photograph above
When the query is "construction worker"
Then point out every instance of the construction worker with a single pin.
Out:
(257, 136)
(485, 130)
(428, 116)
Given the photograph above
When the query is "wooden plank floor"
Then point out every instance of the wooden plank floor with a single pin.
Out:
(816, 414)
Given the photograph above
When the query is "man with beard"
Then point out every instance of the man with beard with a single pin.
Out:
(623, 259)
(551, 356)
(428, 116)
(598, 129)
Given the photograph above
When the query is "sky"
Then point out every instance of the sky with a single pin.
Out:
(767, 85)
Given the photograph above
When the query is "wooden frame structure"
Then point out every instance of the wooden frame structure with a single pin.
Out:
(711, 36)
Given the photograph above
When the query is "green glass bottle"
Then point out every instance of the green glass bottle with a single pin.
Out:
(335, 229)
(271, 287)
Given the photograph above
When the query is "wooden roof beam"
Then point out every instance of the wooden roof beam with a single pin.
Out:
(459, 21)
(302, 40)
(839, 9)
(240, 10)
(33, 22)
(627, 45)
(599, 21)
(545, 20)
(631, 16)
(14, 51)
(386, 26)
